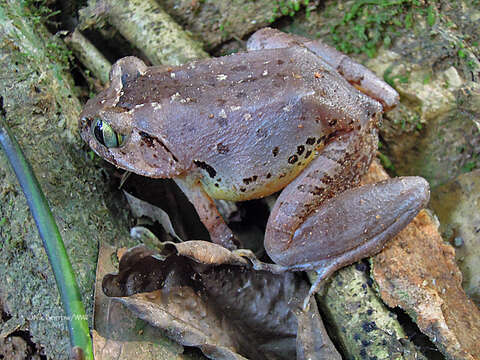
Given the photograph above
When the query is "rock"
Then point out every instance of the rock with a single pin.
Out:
(417, 272)
(457, 205)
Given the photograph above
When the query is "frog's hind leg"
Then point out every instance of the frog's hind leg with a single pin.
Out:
(355, 224)
(356, 74)
(352, 225)
(320, 222)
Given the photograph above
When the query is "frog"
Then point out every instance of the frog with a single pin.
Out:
(290, 114)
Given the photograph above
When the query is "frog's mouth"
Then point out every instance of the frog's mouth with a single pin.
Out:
(147, 155)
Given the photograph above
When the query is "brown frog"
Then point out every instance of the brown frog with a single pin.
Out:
(291, 114)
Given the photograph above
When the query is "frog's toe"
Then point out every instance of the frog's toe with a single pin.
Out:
(355, 224)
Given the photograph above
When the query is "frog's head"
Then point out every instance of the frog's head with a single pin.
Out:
(111, 130)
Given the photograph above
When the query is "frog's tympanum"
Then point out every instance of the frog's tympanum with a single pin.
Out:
(291, 114)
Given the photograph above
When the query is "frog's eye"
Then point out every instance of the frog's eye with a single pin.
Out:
(106, 136)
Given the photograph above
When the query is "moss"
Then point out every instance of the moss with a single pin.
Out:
(40, 13)
(471, 165)
(39, 104)
(369, 24)
(386, 162)
(389, 79)
(288, 7)
(359, 321)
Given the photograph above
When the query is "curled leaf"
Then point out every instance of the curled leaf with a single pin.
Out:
(206, 296)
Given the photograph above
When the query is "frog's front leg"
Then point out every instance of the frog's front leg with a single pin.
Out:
(356, 74)
(219, 232)
(320, 222)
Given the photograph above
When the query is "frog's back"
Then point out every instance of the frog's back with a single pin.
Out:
(250, 122)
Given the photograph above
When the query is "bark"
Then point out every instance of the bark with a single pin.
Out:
(41, 108)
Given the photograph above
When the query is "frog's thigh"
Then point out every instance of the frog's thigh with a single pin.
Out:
(352, 225)
(219, 232)
(358, 75)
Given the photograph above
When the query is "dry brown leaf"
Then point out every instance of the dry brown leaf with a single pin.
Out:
(206, 296)
(118, 333)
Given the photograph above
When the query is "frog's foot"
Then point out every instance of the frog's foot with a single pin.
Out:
(348, 227)
(356, 74)
(317, 286)
(258, 265)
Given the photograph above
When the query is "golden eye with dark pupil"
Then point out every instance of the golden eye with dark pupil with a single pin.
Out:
(106, 136)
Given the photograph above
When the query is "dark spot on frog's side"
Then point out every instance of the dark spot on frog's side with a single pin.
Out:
(308, 153)
(280, 62)
(275, 151)
(300, 149)
(249, 180)
(310, 141)
(269, 176)
(326, 180)
(222, 149)
(293, 159)
(203, 165)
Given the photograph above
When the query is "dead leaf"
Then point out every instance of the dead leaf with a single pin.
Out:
(142, 208)
(203, 295)
(151, 195)
(119, 334)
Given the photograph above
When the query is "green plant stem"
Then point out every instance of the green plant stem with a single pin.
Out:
(52, 242)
